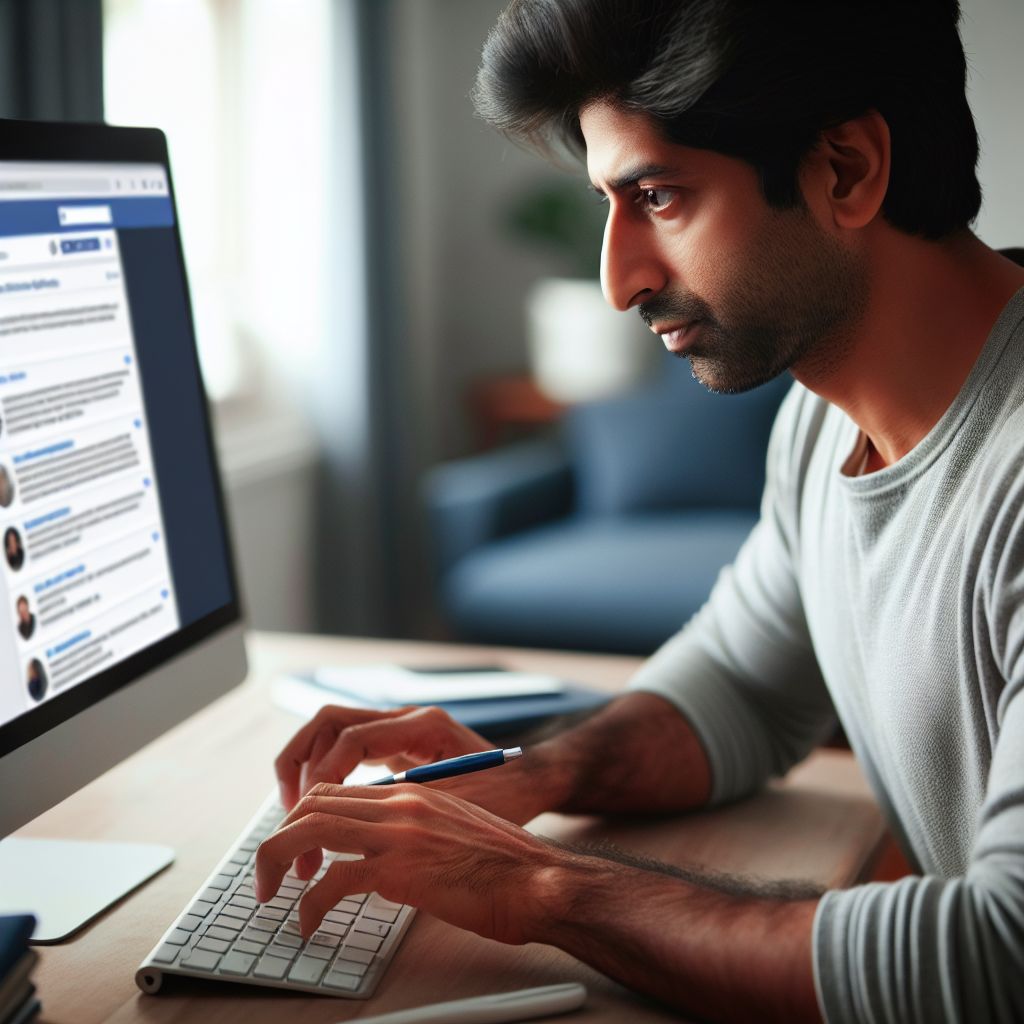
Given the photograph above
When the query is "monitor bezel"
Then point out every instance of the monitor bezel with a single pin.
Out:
(31, 141)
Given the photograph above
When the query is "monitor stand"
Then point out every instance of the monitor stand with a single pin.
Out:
(66, 882)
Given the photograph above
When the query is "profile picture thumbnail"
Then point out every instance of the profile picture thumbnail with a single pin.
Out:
(14, 550)
(26, 620)
(6, 487)
(36, 680)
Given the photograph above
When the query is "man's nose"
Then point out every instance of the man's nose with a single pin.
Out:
(631, 271)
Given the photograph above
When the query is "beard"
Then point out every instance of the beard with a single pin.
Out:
(794, 300)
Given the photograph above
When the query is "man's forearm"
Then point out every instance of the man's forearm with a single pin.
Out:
(637, 755)
(723, 955)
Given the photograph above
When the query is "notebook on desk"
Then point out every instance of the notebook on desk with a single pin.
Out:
(491, 700)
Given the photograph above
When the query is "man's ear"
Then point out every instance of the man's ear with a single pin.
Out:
(847, 175)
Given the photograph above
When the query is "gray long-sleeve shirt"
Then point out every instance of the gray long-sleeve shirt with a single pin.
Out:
(896, 599)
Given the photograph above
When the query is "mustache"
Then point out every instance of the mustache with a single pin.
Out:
(674, 308)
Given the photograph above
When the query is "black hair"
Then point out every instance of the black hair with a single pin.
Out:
(754, 79)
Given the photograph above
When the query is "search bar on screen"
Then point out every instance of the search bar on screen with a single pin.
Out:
(72, 216)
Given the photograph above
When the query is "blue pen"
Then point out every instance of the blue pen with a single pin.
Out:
(453, 766)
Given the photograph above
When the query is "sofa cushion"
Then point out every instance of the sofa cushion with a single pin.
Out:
(672, 445)
(594, 584)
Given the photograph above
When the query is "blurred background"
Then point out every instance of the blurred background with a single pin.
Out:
(364, 257)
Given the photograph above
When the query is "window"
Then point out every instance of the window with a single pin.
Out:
(242, 89)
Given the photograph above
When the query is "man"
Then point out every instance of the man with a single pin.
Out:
(6, 488)
(26, 620)
(789, 188)
(13, 549)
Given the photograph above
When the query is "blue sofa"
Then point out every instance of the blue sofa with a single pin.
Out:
(609, 536)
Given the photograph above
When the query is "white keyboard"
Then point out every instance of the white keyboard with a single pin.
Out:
(224, 933)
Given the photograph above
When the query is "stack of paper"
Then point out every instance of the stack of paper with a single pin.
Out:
(18, 1001)
(486, 698)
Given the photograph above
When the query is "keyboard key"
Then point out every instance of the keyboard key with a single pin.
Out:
(332, 928)
(201, 908)
(238, 913)
(380, 914)
(230, 870)
(360, 956)
(371, 927)
(290, 885)
(263, 924)
(210, 895)
(339, 917)
(220, 882)
(166, 953)
(349, 967)
(241, 900)
(231, 923)
(178, 937)
(201, 960)
(291, 927)
(280, 902)
(282, 951)
(326, 939)
(360, 940)
(346, 982)
(214, 945)
(271, 967)
(346, 907)
(237, 962)
(307, 970)
(190, 922)
(359, 897)
(319, 952)
(216, 932)
(245, 946)
(287, 939)
(272, 913)
(246, 890)
(240, 857)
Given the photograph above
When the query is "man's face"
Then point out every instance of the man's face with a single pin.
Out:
(23, 609)
(742, 290)
(12, 545)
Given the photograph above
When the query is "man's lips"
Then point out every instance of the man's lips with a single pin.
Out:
(679, 337)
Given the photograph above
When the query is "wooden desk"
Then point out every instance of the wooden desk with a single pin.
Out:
(196, 787)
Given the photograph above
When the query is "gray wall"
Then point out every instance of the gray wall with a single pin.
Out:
(993, 35)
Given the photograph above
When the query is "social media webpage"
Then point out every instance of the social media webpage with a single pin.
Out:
(87, 577)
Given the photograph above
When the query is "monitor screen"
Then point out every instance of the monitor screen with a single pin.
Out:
(115, 553)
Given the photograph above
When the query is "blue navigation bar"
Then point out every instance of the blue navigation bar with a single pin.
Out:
(40, 216)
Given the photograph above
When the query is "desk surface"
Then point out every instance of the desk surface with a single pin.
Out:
(196, 787)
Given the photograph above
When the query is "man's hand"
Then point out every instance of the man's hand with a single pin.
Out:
(724, 955)
(337, 739)
(420, 846)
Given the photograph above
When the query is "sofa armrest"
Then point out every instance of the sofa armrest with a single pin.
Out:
(476, 500)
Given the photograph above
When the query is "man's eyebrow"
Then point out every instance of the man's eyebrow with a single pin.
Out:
(631, 177)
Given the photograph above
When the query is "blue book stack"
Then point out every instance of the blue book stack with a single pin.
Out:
(18, 1000)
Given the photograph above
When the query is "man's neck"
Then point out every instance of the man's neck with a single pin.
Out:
(930, 310)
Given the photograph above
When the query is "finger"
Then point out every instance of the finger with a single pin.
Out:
(334, 823)
(421, 735)
(341, 879)
(307, 864)
(332, 719)
(325, 740)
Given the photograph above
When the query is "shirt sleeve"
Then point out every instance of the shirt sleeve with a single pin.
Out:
(743, 671)
(930, 949)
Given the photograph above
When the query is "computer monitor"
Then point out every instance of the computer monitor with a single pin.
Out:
(119, 610)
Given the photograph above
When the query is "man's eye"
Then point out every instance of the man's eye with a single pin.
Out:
(655, 198)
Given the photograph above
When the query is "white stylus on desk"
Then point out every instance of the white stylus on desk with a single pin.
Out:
(525, 1004)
